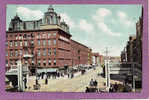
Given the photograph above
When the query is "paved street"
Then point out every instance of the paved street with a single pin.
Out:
(76, 84)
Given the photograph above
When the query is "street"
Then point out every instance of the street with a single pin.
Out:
(76, 84)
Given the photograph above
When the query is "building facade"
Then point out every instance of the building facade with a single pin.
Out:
(81, 54)
(133, 51)
(47, 41)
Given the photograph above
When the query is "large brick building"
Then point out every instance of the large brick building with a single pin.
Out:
(47, 41)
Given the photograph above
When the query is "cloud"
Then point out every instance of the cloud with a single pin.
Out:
(124, 19)
(104, 28)
(67, 19)
(84, 25)
(101, 13)
(28, 14)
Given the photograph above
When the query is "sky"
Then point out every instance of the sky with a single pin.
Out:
(96, 26)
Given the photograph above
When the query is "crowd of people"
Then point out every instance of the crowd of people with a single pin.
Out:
(120, 88)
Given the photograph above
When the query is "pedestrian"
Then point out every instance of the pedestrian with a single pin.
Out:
(87, 90)
(91, 82)
(111, 89)
(68, 75)
(36, 81)
(115, 87)
(127, 88)
(46, 81)
(95, 83)
(25, 81)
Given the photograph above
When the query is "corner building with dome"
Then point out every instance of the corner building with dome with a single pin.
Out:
(44, 45)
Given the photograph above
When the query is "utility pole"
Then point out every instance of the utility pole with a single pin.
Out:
(107, 74)
(20, 76)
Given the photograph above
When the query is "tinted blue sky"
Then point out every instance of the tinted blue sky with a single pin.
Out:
(97, 26)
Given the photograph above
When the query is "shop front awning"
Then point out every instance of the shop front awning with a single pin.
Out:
(45, 70)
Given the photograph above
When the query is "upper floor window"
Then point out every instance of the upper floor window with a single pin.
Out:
(39, 62)
(11, 53)
(44, 35)
(38, 36)
(39, 42)
(49, 34)
(38, 52)
(54, 51)
(54, 34)
(6, 53)
(49, 61)
(54, 61)
(44, 62)
(44, 52)
(25, 43)
(49, 52)
(16, 43)
(20, 52)
(16, 53)
(44, 42)
(25, 36)
(11, 43)
(20, 43)
(49, 42)
(54, 41)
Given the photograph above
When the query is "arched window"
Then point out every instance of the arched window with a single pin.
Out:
(54, 20)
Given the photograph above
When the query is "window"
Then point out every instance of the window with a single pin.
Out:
(49, 52)
(54, 51)
(44, 62)
(11, 43)
(54, 20)
(11, 53)
(49, 42)
(26, 62)
(20, 52)
(54, 61)
(25, 43)
(20, 43)
(20, 37)
(16, 43)
(32, 35)
(6, 53)
(44, 36)
(25, 36)
(49, 62)
(32, 42)
(15, 62)
(39, 62)
(11, 62)
(38, 36)
(16, 53)
(44, 42)
(26, 52)
(54, 34)
(38, 52)
(6, 62)
(32, 61)
(54, 42)
(16, 37)
(49, 34)
(39, 42)
(44, 52)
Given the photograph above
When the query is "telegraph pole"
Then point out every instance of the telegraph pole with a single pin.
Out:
(107, 74)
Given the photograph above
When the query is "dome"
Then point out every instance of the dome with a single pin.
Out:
(50, 8)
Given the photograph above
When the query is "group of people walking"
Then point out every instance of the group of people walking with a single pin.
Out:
(120, 88)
